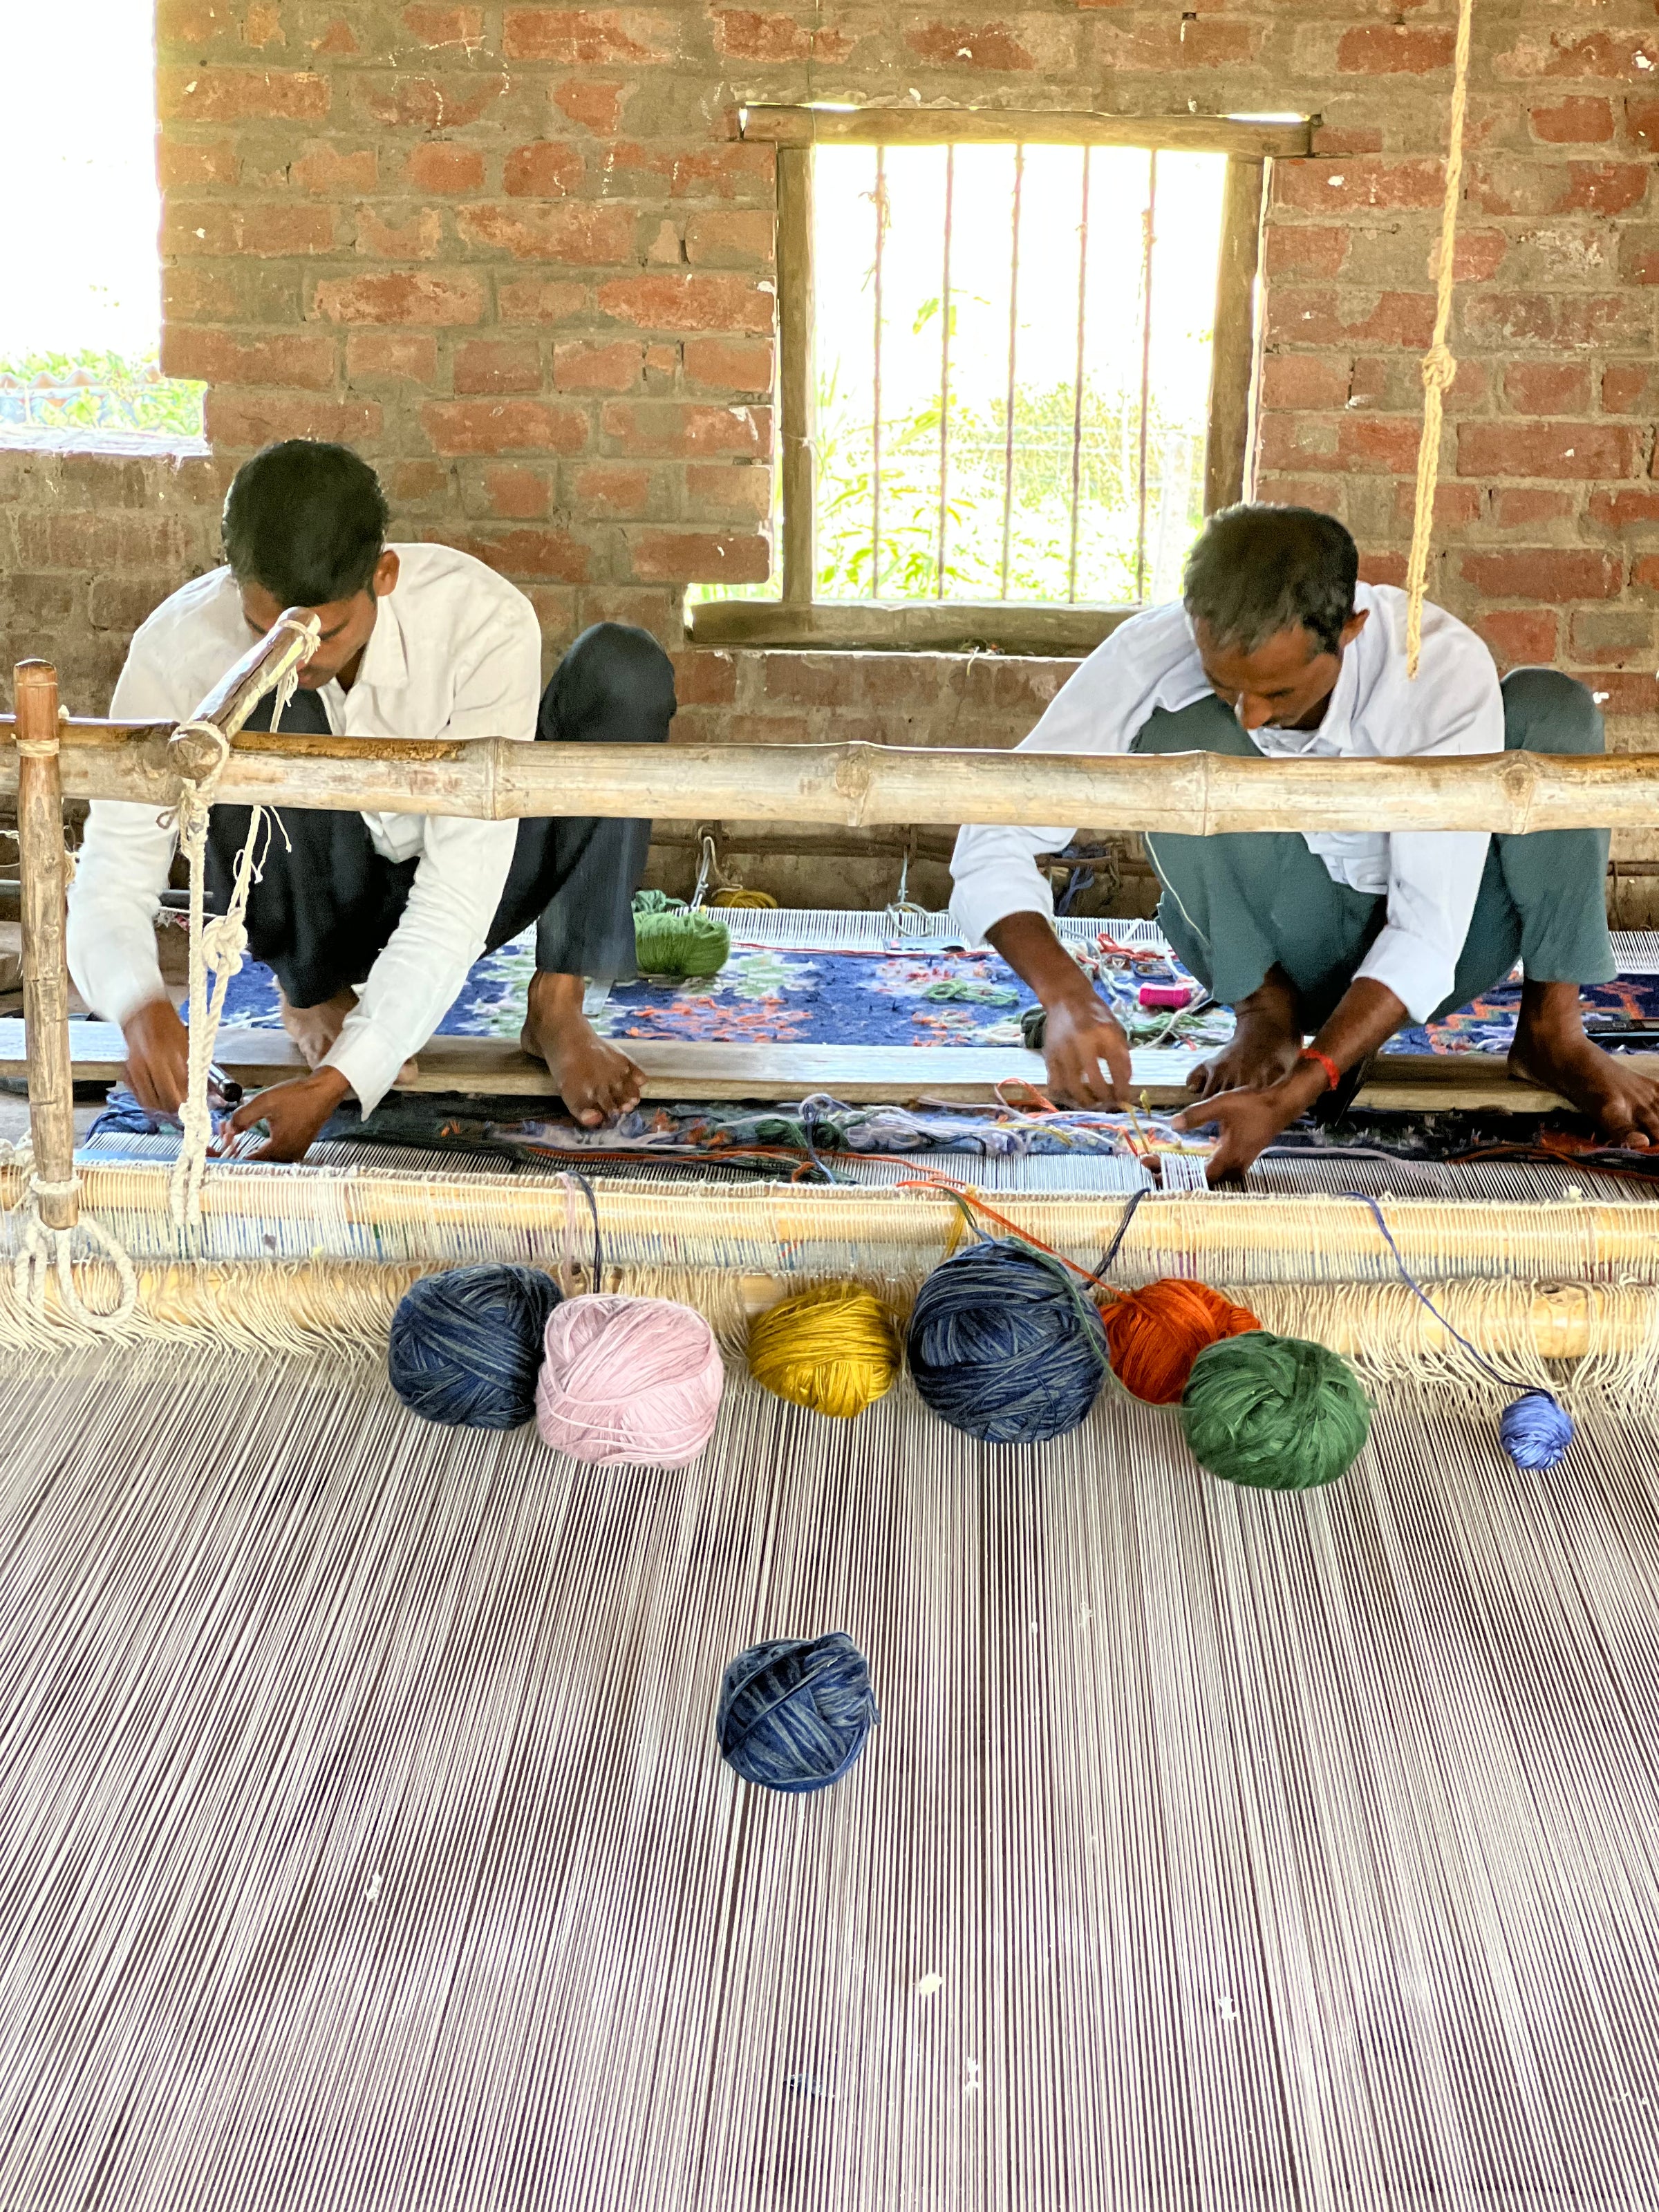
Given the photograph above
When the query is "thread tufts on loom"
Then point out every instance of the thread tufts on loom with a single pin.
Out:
(1153, 1335)
(1004, 1346)
(1274, 1413)
(794, 1714)
(834, 1349)
(629, 1381)
(1536, 1430)
(466, 1345)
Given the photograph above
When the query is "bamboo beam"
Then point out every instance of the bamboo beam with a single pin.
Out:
(1188, 794)
(904, 625)
(45, 968)
(287, 646)
(1249, 135)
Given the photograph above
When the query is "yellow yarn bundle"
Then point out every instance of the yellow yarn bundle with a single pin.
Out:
(834, 1349)
(735, 895)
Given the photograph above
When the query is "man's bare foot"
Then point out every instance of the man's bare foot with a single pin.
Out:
(316, 1029)
(1265, 1039)
(1551, 1049)
(595, 1081)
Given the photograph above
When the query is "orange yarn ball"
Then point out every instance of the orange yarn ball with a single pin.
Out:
(1154, 1335)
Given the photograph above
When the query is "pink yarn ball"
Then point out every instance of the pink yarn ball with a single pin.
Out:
(628, 1382)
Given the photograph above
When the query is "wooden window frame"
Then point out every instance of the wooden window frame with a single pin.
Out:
(795, 618)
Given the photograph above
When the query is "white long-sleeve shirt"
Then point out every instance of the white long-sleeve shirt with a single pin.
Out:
(455, 652)
(1432, 878)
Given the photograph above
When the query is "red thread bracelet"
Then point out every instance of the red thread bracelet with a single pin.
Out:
(1332, 1072)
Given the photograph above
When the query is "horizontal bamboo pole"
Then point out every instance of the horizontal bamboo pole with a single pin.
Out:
(1188, 794)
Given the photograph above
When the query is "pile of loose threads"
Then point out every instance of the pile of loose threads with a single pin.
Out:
(672, 939)
(1153, 1335)
(834, 1349)
(795, 1714)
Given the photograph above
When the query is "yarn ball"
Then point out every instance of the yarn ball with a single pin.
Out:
(1003, 1345)
(628, 1382)
(671, 939)
(834, 1348)
(1535, 1432)
(794, 1715)
(466, 1345)
(1273, 1412)
(1154, 1335)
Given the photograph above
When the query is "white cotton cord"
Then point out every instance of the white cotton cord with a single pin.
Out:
(40, 1249)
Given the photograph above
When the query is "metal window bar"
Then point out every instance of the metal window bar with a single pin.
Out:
(1077, 387)
(1148, 230)
(1013, 336)
(944, 368)
(875, 428)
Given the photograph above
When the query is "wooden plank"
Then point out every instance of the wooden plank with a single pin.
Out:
(967, 126)
(797, 378)
(902, 626)
(45, 968)
(1232, 357)
(862, 1074)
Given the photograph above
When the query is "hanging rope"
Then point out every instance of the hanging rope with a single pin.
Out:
(1439, 365)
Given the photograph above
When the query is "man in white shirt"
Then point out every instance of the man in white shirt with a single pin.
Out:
(1277, 649)
(371, 921)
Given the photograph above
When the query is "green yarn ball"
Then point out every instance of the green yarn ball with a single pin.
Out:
(1274, 1413)
(671, 939)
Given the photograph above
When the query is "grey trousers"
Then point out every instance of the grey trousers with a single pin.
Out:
(1235, 905)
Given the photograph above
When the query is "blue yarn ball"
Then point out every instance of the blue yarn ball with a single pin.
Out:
(1002, 1345)
(794, 1715)
(1535, 1432)
(466, 1345)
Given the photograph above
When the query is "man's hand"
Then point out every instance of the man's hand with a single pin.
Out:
(293, 1112)
(1080, 1035)
(158, 1056)
(1249, 1120)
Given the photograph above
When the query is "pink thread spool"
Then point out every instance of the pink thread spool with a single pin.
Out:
(1166, 997)
(628, 1382)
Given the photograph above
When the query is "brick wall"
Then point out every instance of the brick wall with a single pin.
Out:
(515, 254)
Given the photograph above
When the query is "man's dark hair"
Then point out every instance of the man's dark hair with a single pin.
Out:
(1256, 570)
(306, 521)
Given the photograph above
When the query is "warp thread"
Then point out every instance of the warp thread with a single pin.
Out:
(834, 1349)
(466, 1345)
(794, 1714)
(1274, 1413)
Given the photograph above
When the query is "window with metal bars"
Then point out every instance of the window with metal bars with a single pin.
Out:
(1015, 363)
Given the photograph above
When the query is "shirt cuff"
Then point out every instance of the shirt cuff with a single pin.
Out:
(1418, 974)
(119, 991)
(977, 908)
(368, 1062)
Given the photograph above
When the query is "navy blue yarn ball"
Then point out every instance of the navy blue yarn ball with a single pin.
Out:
(1535, 1432)
(466, 1345)
(1002, 1345)
(794, 1715)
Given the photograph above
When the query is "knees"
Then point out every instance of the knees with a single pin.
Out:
(1546, 712)
(615, 684)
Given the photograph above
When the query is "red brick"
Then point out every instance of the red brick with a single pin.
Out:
(591, 102)
(408, 102)
(532, 299)
(1579, 451)
(446, 27)
(606, 489)
(548, 170)
(571, 35)
(730, 239)
(425, 484)
(1551, 577)
(1579, 120)
(573, 231)
(968, 46)
(1477, 256)
(1563, 320)
(1630, 387)
(722, 173)
(1378, 444)
(1297, 380)
(551, 553)
(517, 494)
(1181, 40)
(1618, 693)
(729, 364)
(1548, 387)
(1523, 508)
(271, 233)
(105, 543)
(1602, 54)
(668, 429)
(498, 365)
(582, 368)
(238, 423)
(1306, 249)
(1645, 572)
(441, 167)
(1642, 124)
(418, 237)
(1382, 569)
(698, 557)
(1638, 256)
(337, 38)
(1613, 637)
(227, 96)
(217, 357)
(417, 297)
(1624, 510)
(195, 22)
(1457, 506)
(1394, 48)
(692, 303)
(411, 354)
(1308, 316)
(1334, 187)
(1519, 637)
(181, 167)
(703, 678)
(1329, 138)
(503, 426)
(324, 167)
(743, 35)
(737, 495)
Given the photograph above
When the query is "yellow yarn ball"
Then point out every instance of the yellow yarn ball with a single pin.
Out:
(735, 895)
(834, 1349)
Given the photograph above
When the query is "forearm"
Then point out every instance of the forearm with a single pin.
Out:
(1365, 1017)
(1027, 944)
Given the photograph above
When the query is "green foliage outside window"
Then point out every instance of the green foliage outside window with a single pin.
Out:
(93, 391)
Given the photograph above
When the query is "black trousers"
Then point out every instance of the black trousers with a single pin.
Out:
(327, 901)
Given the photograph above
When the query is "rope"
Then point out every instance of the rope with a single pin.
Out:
(42, 1251)
(1439, 364)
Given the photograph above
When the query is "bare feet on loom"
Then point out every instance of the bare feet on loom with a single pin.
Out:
(1551, 1049)
(595, 1081)
(316, 1029)
(1262, 1050)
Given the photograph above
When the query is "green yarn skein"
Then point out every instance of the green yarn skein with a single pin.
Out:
(672, 939)
(1274, 1411)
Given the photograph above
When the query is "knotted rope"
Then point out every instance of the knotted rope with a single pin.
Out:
(1439, 364)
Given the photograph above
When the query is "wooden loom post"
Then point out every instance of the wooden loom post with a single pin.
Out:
(797, 385)
(46, 965)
